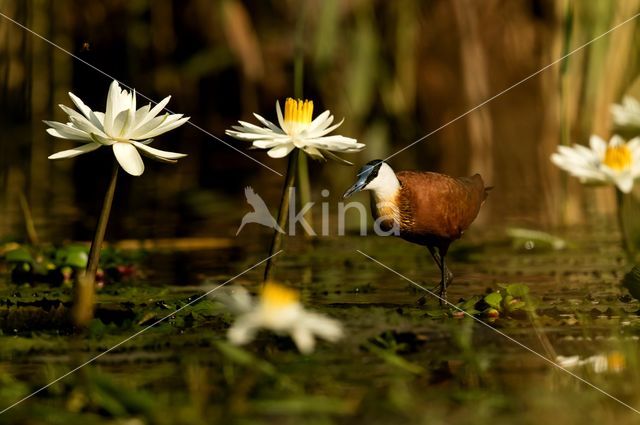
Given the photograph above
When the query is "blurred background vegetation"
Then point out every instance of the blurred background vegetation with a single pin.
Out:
(395, 70)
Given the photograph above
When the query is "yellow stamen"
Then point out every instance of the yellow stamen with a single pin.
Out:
(617, 157)
(616, 361)
(298, 110)
(277, 295)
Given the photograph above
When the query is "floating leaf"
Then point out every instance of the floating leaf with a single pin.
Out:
(494, 299)
(19, 255)
(517, 290)
(74, 255)
(529, 239)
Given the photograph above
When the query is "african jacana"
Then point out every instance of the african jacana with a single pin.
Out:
(427, 208)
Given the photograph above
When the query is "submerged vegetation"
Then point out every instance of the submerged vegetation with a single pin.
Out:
(398, 361)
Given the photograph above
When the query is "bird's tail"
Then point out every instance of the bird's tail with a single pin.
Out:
(487, 189)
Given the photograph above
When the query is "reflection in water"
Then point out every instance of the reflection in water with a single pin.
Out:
(599, 363)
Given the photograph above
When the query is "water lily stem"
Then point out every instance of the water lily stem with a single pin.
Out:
(84, 294)
(283, 212)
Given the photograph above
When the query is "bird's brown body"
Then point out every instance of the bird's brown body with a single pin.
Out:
(425, 208)
(435, 209)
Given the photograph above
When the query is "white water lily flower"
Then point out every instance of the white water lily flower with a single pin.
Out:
(626, 114)
(600, 363)
(297, 130)
(279, 310)
(121, 126)
(616, 162)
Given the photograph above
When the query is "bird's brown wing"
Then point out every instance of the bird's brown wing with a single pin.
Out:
(437, 206)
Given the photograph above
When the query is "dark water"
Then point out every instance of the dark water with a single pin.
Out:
(401, 362)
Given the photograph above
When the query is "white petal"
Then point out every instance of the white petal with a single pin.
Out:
(568, 361)
(86, 111)
(107, 141)
(131, 117)
(634, 145)
(279, 113)
(252, 128)
(243, 330)
(268, 144)
(304, 339)
(162, 129)
(325, 327)
(271, 126)
(626, 114)
(129, 158)
(119, 124)
(111, 109)
(159, 107)
(65, 131)
(100, 118)
(281, 151)
(631, 103)
(93, 126)
(132, 105)
(148, 126)
(584, 152)
(313, 153)
(321, 131)
(75, 151)
(598, 145)
(141, 114)
(153, 112)
(322, 121)
(625, 182)
(247, 135)
(236, 298)
(578, 169)
(616, 141)
(338, 143)
(157, 153)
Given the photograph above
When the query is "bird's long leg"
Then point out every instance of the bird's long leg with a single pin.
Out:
(436, 256)
(447, 276)
(438, 259)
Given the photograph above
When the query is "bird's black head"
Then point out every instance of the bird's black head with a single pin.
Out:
(366, 175)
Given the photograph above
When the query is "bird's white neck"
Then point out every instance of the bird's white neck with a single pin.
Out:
(387, 193)
(385, 186)
(384, 191)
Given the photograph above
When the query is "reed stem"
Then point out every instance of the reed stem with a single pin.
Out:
(29, 223)
(283, 212)
(304, 186)
(84, 293)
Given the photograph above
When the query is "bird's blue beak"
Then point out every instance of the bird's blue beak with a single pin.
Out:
(358, 186)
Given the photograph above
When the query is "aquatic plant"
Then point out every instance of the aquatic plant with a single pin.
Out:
(627, 113)
(613, 361)
(123, 127)
(278, 309)
(128, 131)
(296, 130)
(295, 134)
(616, 163)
